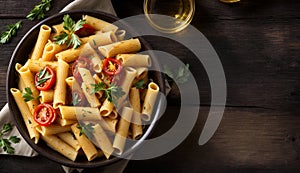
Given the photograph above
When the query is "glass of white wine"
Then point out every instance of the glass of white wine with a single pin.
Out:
(169, 16)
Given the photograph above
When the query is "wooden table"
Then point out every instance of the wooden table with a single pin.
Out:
(258, 44)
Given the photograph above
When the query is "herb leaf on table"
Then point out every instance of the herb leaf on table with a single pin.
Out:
(6, 143)
(38, 12)
(10, 32)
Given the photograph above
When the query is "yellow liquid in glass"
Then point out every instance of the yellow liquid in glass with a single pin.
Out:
(229, 1)
(169, 15)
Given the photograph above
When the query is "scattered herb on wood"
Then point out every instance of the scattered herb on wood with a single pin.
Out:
(10, 32)
(181, 76)
(38, 12)
(5, 143)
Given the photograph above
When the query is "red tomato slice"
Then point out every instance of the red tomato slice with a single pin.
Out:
(85, 31)
(111, 66)
(44, 114)
(45, 79)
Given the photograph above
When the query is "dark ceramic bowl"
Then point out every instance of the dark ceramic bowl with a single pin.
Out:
(19, 56)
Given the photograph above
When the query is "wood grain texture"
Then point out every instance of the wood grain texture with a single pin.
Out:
(258, 44)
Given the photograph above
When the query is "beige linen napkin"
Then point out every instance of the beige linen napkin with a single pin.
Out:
(22, 148)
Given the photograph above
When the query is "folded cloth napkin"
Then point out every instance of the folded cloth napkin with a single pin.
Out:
(22, 148)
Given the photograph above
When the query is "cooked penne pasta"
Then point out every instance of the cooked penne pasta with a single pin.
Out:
(136, 122)
(126, 84)
(99, 24)
(61, 86)
(103, 38)
(68, 138)
(26, 114)
(102, 140)
(109, 124)
(58, 28)
(121, 47)
(87, 85)
(79, 113)
(42, 39)
(106, 108)
(46, 96)
(135, 60)
(142, 73)
(52, 129)
(28, 80)
(51, 49)
(70, 54)
(122, 130)
(149, 101)
(120, 34)
(36, 65)
(60, 146)
(72, 83)
(113, 114)
(65, 122)
(87, 146)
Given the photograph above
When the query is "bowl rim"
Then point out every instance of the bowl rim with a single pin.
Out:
(24, 134)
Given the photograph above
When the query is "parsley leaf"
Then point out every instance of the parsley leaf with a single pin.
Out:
(75, 99)
(182, 75)
(86, 129)
(27, 94)
(61, 38)
(112, 93)
(98, 87)
(6, 143)
(75, 41)
(43, 76)
(38, 12)
(140, 84)
(70, 38)
(6, 36)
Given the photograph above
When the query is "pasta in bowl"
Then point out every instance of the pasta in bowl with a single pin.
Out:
(84, 88)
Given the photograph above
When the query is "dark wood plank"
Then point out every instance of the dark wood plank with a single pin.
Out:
(19, 9)
(247, 140)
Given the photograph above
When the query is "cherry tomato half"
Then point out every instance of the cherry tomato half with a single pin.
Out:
(45, 79)
(44, 114)
(111, 66)
(85, 31)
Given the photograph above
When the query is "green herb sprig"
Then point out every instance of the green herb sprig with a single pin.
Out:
(85, 129)
(43, 76)
(75, 99)
(38, 12)
(70, 37)
(10, 32)
(140, 84)
(28, 95)
(5, 143)
(181, 76)
(112, 93)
